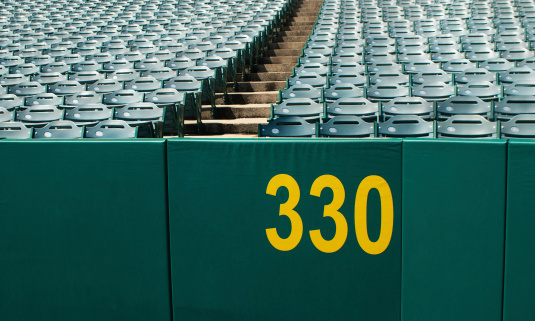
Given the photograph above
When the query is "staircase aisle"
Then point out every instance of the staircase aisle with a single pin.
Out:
(257, 90)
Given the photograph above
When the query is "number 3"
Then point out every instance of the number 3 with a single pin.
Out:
(286, 209)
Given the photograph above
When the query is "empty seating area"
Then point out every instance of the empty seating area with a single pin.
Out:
(413, 68)
(123, 69)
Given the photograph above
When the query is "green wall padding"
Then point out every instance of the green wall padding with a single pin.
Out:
(223, 265)
(83, 231)
(519, 298)
(453, 230)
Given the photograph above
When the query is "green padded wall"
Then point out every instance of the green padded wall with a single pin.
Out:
(225, 268)
(453, 230)
(83, 231)
(519, 299)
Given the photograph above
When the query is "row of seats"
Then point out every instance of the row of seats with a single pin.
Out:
(402, 126)
(64, 129)
(457, 105)
(146, 115)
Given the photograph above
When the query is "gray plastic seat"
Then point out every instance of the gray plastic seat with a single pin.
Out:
(434, 91)
(123, 75)
(301, 91)
(466, 126)
(376, 67)
(7, 80)
(474, 75)
(48, 78)
(360, 107)
(112, 129)
(349, 78)
(117, 64)
(431, 76)
(11, 101)
(346, 126)
(25, 69)
(180, 63)
(165, 96)
(143, 115)
(59, 66)
(389, 78)
(517, 54)
(342, 90)
(15, 130)
(386, 92)
(44, 99)
(497, 64)
(511, 106)
(6, 115)
(464, 105)
(88, 65)
(309, 78)
(287, 127)
(38, 115)
(27, 88)
(458, 65)
(85, 77)
(59, 129)
(482, 89)
(88, 114)
(520, 126)
(82, 98)
(302, 107)
(520, 88)
(67, 87)
(415, 67)
(148, 64)
(317, 68)
(105, 86)
(122, 97)
(408, 106)
(143, 84)
(160, 74)
(405, 126)
(516, 74)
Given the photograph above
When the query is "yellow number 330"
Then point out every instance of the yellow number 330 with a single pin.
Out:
(331, 210)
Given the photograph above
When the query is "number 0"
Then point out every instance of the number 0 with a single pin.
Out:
(387, 215)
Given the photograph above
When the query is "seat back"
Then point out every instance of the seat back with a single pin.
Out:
(466, 126)
(115, 129)
(287, 127)
(59, 129)
(346, 126)
(405, 126)
(519, 126)
(14, 130)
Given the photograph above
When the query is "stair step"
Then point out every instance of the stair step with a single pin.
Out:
(284, 52)
(304, 24)
(259, 86)
(303, 19)
(261, 97)
(301, 39)
(226, 126)
(288, 67)
(269, 76)
(279, 60)
(287, 45)
(298, 32)
(238, 111)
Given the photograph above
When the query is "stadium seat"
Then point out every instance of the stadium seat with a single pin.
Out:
(286, 127)
(59, 129)
(519, 126)
(147, 116)
(408, 106)
(346, 126)
(305, 108)
(466, 126)
(464, 105)
(88, 114)
(14, 130)
(113, 129)
(402, 126)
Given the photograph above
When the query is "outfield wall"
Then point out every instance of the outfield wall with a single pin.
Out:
(264, 229)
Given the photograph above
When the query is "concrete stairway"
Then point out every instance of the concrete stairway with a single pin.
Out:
(249, 105)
